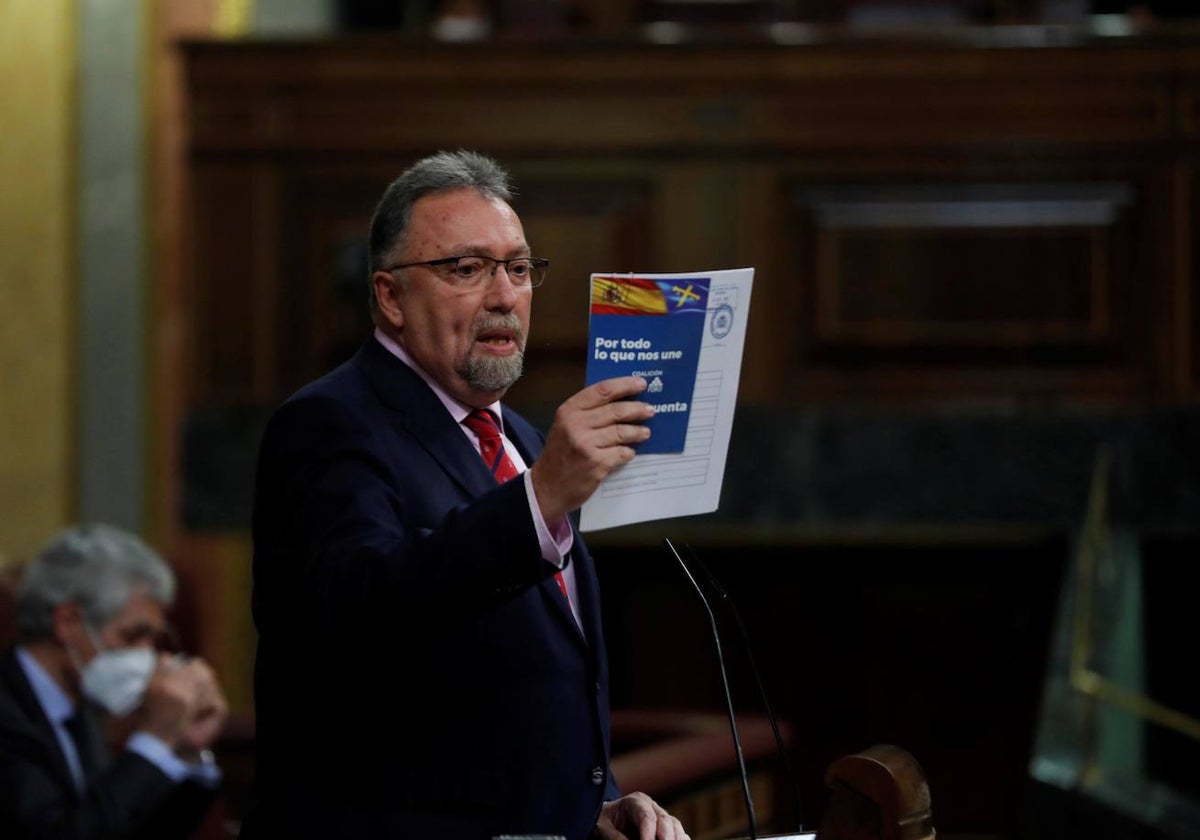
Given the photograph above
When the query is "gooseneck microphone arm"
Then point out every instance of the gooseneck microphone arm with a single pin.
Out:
(737, 615)
(737, 741)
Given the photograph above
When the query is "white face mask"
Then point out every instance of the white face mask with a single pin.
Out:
(116, 680)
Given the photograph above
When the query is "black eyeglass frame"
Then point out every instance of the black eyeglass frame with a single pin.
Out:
(537, 268)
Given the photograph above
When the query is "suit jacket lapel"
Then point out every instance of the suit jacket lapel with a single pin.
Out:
(420, 412)
(37, 726)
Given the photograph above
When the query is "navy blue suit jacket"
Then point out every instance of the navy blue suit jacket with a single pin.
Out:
(418, 672)
(129, 797)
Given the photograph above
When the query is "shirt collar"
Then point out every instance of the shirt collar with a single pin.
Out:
(54, 701)
(457, 410)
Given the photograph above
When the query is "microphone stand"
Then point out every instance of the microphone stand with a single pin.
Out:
(737, 615)
(737, 741)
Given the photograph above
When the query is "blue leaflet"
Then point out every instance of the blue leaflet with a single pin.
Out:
(650, 327)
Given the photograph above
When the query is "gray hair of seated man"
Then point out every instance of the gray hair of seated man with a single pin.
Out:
(98, 567)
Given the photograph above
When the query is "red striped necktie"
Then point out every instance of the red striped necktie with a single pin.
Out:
(491, 448)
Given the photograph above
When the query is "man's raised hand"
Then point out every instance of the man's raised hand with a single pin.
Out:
(593, 433)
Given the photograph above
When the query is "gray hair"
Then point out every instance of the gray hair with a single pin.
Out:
(95, 566)
(436, 173)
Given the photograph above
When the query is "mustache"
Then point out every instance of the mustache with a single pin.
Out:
(501, 321)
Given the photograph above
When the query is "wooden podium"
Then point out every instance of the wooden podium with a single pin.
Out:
(878, 794)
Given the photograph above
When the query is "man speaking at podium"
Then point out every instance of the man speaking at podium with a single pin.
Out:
(430, 660)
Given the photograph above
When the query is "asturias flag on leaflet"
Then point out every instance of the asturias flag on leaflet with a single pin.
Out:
(664, 349)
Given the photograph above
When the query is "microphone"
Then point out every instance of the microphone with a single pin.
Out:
(737, 741)
(737, 615)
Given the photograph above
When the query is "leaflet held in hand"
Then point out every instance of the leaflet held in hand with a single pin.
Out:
(683, 333)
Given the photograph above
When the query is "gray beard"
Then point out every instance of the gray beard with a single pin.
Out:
(491, 373)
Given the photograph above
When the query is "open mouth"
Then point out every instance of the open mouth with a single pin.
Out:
(497, 339)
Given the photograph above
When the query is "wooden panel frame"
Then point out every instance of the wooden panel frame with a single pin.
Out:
(1118, 356)
(988, 209)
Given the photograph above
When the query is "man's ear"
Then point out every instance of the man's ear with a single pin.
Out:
(389, 294)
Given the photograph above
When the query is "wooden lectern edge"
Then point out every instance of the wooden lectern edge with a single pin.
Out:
(882, 787)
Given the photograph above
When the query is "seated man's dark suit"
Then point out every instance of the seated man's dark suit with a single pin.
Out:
(127, 797)
(419, 674)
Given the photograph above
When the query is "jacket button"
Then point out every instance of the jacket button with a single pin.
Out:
(597, 776)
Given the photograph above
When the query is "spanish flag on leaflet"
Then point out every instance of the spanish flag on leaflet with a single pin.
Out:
(623, 295)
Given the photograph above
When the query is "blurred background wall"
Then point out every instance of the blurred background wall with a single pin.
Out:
(37, 261)
(973, 225)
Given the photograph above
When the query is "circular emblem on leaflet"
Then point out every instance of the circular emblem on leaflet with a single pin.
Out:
(722, 321)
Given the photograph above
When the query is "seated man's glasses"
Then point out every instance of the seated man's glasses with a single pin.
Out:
(471, 272)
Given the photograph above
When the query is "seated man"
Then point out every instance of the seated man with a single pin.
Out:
(90, 610)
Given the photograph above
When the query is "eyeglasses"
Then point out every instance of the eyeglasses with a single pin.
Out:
(471, 272)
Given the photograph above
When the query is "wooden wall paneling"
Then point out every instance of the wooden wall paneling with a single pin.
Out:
(1148, 308)
(696, 220)
(231, 279)
(1187, 278)
(1186, 89)
(266, 280)
(1185, 204)
(322, 96)
(1028, 280)
(699, 116)
(764, 243)
(984, 109)
(323, 295)
(233, 271)
(959, 267)
(694, 121)
(1186, 281)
